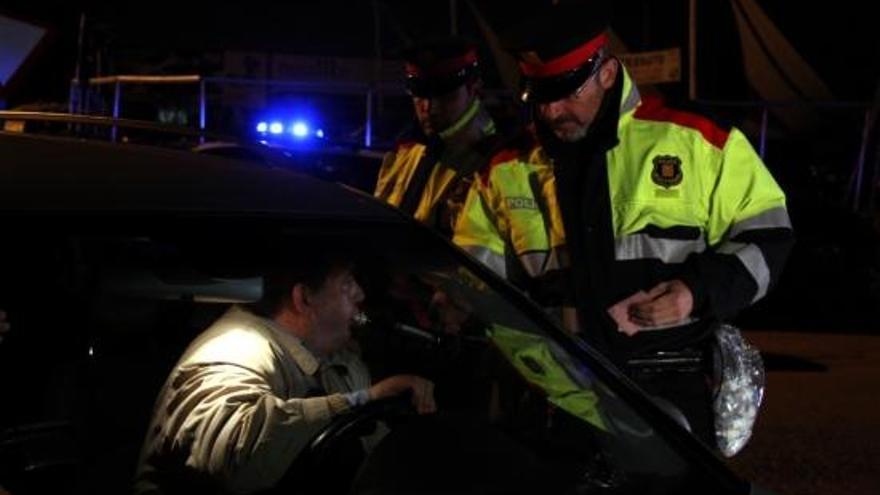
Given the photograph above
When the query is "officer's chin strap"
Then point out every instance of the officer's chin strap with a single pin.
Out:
(462, 121)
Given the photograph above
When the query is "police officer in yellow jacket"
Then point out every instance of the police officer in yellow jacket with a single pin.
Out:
(430, 172)
(662, 222)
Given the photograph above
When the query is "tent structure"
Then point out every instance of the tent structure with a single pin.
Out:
(20, 41)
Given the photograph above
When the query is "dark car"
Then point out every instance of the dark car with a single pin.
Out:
(356, 167)
(114, 257)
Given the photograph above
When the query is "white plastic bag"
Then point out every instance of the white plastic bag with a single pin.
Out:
(740, 382)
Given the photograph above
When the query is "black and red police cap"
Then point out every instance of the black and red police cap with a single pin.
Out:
(558, 46)
(437, 66)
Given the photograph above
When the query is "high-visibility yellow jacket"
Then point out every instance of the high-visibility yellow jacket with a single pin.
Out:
(397, 172)
(687, 200)
(451, 172)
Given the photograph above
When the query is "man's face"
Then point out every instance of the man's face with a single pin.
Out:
(334, 306)
(570, 117)
(438, 113)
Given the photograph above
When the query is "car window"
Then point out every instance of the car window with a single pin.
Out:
(497, 362)
(102, 307)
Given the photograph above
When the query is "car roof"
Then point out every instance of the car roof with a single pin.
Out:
(40, 174)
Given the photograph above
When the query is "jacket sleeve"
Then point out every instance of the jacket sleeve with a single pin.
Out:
(386, 178)
(749, 235)
(478, 230)
(235, 429)
(507, 224)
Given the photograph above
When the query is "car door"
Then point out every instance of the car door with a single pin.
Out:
(102, 304)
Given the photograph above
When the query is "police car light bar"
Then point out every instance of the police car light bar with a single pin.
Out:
(300, 129)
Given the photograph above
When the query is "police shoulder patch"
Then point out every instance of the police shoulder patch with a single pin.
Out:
(667, 171)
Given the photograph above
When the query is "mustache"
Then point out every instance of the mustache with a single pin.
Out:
(565, 119)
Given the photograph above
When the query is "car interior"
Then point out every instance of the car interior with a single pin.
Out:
(102, 307)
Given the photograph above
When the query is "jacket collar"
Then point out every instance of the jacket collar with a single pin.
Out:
(304, 359)
(630, 98)
(608, 120)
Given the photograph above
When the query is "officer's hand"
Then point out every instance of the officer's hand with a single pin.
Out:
(4, 325)
(422, 391)
(667, 303)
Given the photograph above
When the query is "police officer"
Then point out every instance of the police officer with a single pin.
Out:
(430, 172)
(663, 222)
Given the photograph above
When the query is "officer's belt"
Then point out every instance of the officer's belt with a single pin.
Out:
(689, 359)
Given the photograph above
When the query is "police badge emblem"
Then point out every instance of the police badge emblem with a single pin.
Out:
(667, 171)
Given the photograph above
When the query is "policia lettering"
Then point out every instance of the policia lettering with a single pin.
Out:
(521, 203)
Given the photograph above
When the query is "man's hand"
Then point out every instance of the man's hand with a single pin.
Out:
(667, 303)
(4, 325)
(422, 391)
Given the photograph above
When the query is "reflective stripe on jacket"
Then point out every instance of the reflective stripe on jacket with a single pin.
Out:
(397, 172)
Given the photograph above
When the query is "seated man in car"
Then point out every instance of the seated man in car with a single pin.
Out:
(252, 390)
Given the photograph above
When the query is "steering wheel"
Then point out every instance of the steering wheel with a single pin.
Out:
(317, 461)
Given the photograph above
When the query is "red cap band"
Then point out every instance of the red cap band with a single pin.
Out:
(567, 62)
(443, 67)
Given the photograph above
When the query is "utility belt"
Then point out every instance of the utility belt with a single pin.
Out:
(685, 360)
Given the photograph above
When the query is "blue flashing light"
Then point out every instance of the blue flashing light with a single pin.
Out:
(300, 129)
(319, 133)
(262, 127)
(276, 128)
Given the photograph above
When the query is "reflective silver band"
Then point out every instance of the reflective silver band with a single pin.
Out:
(775, 218)
(752, 258)
(642, 246)
(486, 256)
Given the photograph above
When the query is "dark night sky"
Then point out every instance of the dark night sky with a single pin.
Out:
(836, 41)
(836, 249)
